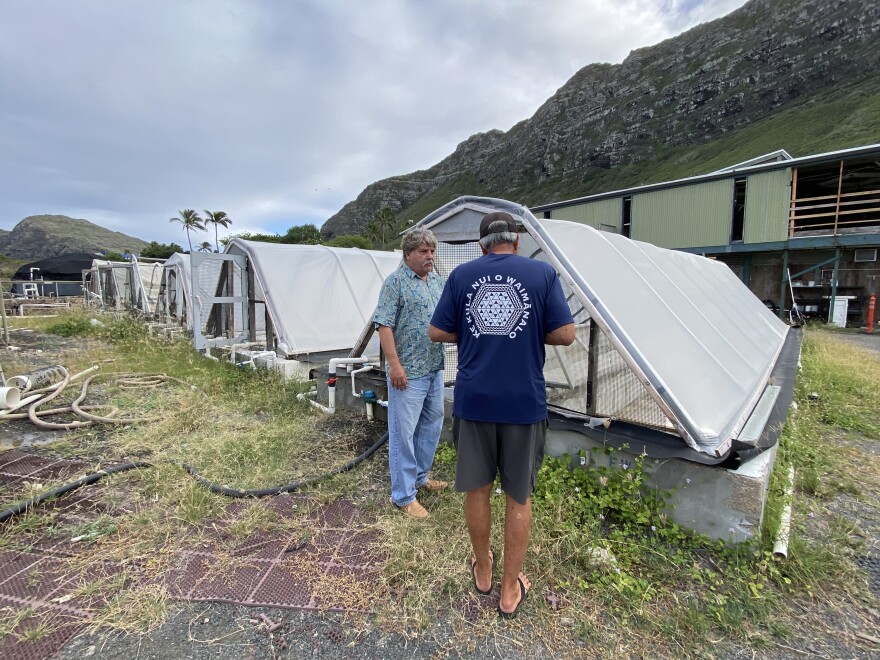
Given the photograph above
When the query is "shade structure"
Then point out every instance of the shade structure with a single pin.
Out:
(175, 291)
(65, 267)
(61, 275)
(667, 341)
(317, 297)
(147, 278)
(109, 283)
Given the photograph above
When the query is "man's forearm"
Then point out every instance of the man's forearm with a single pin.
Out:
(389, 348)
(562, 336)
(435, 334)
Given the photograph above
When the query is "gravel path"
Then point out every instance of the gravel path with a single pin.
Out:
(870, 342)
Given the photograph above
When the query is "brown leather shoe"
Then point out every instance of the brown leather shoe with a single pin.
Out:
(413, 510)
(435, 484)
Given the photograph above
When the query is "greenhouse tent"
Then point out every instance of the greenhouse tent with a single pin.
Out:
(147, 277)
(132, 285)
(175, 290)
(108, 283)
(317, 298)
(671, 344)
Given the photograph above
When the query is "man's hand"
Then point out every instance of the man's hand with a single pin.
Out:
(398, 377)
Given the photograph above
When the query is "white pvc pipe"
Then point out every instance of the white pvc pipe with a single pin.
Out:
(23, 403)
(336, 362)
(354, 392)
(9, 397)
(234, 347)
(306, 396)
(780, 547)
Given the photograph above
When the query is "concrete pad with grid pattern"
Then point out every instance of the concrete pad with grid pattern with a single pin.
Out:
(329, 563)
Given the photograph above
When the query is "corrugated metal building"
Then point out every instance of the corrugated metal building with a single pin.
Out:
(815, 218)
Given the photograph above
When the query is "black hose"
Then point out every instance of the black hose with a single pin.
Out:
(21, 507)
(287, 488)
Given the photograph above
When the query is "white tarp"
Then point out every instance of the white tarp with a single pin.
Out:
(707, 342)
(176, 291)
(110, 282)
(679, 344)
(319, 298)
(149, 278)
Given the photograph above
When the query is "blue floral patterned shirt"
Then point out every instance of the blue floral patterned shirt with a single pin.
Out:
(406, 304)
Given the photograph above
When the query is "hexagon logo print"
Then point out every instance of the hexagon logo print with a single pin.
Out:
(496, 309)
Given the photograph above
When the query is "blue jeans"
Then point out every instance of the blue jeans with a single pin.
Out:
(415, 418)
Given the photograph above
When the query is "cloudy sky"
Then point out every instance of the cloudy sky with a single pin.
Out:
(278, 112)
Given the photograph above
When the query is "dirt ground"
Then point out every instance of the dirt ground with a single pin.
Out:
(214, 630)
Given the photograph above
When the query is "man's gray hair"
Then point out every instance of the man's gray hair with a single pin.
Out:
(491, 240)
(415, 238)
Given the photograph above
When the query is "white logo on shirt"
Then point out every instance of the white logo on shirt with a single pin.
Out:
(497, 305)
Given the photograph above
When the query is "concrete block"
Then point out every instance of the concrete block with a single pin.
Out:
(722, 503)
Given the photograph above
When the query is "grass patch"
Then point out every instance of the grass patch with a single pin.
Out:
(612, 573)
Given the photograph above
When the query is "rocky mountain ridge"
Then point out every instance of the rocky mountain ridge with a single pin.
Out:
(43, 236)
(608, 123)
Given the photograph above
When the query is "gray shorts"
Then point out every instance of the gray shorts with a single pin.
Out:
(486, 448)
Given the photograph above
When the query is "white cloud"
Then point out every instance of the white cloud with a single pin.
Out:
(276, 112)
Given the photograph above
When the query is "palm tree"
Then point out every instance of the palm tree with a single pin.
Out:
(191, 221)
(205, 246)
(382, 227)
(217, 218)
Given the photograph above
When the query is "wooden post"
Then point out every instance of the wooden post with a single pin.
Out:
(592, 368)
(837, 204)
(834, 283)
(229, 308)
(3, 314)
(782, 286)
(215, 323)
(270, 330)
(252, 305)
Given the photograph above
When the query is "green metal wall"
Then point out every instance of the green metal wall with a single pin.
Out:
(767, 200)
(602, 212)
(685, 216)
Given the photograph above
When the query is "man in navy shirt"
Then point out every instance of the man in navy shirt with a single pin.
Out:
(501, 309)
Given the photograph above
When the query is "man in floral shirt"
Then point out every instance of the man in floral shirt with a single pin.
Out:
(414, 366)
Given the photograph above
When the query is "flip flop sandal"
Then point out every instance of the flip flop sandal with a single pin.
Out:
(523, 593)
(474, 574)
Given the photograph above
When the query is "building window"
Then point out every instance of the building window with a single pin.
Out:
(548, 215)
(832, 198)
(626, 221)
(739, 210)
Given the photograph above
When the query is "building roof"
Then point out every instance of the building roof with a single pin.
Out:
(777, 161)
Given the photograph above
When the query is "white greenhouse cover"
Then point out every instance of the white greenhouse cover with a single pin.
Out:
(180, 262)
(691, 332)
(118, 291)
(149, 280)
(177, 290)
(318, 297)
(705, 341)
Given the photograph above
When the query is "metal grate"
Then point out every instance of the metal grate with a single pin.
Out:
(448, 256)
(619, 394)
(327, 559)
